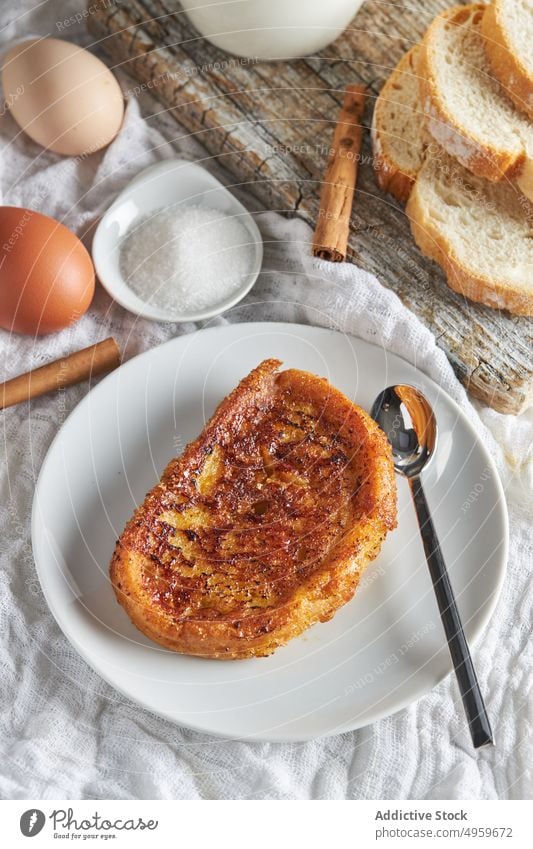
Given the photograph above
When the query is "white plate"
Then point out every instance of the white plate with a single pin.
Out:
(379, 653)
(169, 183)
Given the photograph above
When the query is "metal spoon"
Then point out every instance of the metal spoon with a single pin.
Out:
(407, 419)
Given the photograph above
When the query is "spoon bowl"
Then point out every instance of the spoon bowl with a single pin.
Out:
(406, 417)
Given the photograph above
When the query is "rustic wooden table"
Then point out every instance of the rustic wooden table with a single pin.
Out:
(270, 124)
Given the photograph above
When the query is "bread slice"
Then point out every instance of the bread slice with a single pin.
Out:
(507, 26)
(399, 137)
(264, 524)
(480, 233)
(468, 114)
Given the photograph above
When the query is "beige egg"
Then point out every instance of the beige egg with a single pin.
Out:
(62, 96)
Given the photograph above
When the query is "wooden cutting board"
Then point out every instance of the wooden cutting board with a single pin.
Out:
(270, 125)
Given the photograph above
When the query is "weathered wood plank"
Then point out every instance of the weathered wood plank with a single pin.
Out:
(271, 125)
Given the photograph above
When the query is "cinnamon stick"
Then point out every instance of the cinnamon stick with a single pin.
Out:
(333, 226)
(89, 362)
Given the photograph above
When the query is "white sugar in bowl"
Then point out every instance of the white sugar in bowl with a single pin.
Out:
(271, 29)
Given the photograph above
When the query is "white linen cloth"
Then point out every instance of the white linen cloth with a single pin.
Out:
(67, 734)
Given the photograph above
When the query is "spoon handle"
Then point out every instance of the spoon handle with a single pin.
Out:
(473, 703)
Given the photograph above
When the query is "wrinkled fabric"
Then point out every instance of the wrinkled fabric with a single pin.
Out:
(67, 734)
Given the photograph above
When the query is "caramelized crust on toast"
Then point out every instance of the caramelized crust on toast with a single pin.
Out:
(264, 524)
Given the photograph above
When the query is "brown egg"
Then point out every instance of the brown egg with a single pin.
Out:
(46, 274)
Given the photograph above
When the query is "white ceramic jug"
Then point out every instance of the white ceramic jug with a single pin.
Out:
(271, 29)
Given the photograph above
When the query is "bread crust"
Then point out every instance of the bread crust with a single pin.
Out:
(513, 76)
(497, 294)
(389, 175)
(299, 567)
(390, 178)
(492, 163)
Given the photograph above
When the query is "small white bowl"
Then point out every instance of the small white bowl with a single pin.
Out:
(169, 183)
